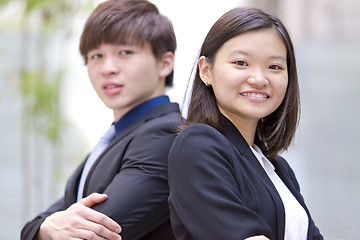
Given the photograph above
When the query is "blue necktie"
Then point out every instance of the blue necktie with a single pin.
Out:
(96, 152)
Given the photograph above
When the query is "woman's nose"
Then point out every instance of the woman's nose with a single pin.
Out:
(258, 78)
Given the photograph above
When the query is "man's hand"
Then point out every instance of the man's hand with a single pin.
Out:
(79, 221)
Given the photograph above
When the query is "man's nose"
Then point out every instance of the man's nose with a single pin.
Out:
(110, 66)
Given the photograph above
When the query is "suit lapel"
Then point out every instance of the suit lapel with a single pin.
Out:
(239, 142)
(72, 185)
(285, 177)
(154, 113)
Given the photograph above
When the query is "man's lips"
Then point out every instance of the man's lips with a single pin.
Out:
(111, 85)
(112, 88)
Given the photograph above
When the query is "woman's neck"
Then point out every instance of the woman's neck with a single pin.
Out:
(247, 127)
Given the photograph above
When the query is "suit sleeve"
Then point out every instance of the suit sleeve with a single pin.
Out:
(138, 193)
(205, 199)
(31, 229)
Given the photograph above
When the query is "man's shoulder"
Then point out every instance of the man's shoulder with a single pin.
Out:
(164, 115)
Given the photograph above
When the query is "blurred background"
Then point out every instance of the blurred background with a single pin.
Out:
(51, 117)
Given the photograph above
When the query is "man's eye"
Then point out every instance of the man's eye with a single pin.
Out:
(125, 52)
(241, 63)
(97, 55)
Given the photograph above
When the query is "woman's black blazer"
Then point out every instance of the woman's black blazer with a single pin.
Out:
(219, 190)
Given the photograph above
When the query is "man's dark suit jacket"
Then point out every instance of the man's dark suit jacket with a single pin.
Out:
(132, 171)
(219, 190)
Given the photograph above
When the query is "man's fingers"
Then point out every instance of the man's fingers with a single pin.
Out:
(102, 219)
(94, 230)
(80, 222)
(98, 217)
(92, 199)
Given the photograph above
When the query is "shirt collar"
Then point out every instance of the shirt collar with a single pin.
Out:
(135, 113)
(261, 157)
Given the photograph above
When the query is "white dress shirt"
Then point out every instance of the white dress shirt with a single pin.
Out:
(296, 219)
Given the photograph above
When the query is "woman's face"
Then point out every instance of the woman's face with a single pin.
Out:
(249, 75)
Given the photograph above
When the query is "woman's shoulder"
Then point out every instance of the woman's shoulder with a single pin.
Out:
(203, 137)
(199, 130)
(200, 145)
(281, 162)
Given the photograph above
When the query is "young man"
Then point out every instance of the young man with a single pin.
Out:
(129, 51)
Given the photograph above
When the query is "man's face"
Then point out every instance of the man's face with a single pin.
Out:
(125, 76)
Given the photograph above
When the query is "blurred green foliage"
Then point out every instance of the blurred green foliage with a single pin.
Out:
(38, 26)
(38, 86)
(44, 95)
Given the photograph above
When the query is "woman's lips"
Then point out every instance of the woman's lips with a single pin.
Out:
(256, 95)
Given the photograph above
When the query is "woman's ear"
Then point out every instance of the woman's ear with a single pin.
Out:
(166, 64)
(204, 71)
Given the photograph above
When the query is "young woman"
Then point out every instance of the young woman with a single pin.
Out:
(226, 178)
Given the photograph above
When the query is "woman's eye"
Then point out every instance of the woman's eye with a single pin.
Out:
(275, 67)
(241, 63)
